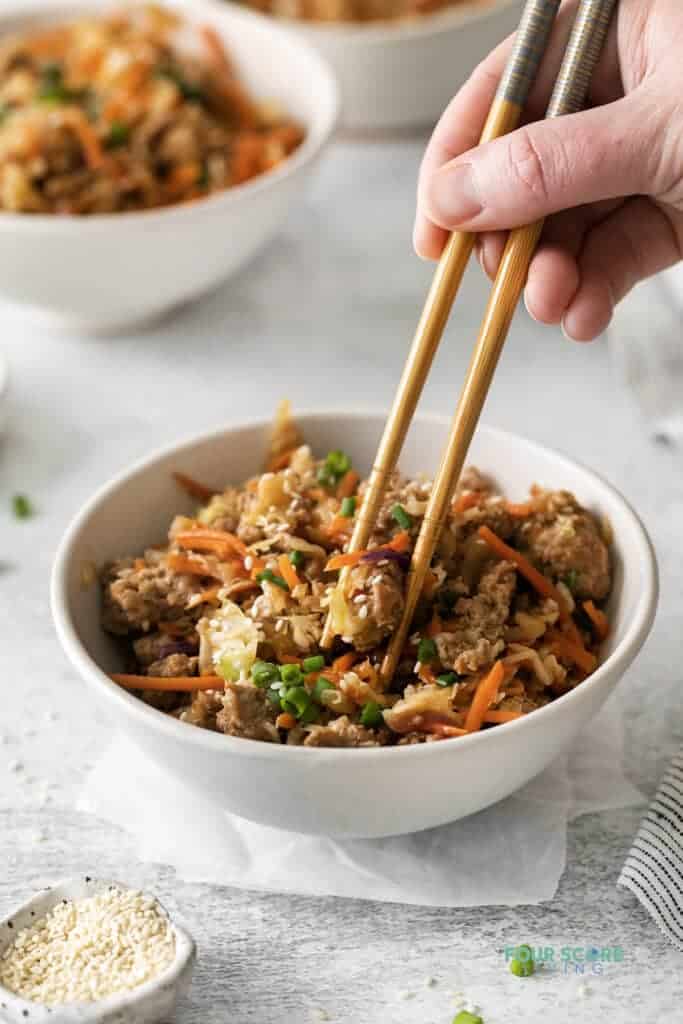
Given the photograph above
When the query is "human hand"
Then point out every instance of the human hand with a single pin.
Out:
(609, 179)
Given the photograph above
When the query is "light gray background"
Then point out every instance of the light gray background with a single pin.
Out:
(324, 316)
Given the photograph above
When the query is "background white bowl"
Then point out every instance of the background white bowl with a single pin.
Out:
(399, 75)
(362, 792)
(107, 271)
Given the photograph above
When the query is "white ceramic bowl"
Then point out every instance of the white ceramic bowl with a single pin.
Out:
(400, 75)
(108, 271)
(154, 1001)
(358, 792)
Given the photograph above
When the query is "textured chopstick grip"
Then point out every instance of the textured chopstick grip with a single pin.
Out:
(582, 54)
(530, 43)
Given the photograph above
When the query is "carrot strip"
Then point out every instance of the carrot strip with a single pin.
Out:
(538, 581)
(339, 561)
(427, 675)
(183, 176)
(189, 566)
(288, 572)
(285, 721)
(401, 542)
(289, 659)
(466, 501)
(519, 510)
(242, 586)
(484, 694)
(500, 717)
(340, 524)
(344, 662)
(349, 483)
(193, 487)
(566, 648)
(280, 461)
(257, 566)
(430, 584)
(87, 138)
(139, 564)
(216, 49)
(219, 541)
(174, 684)
(435, 626)
(317, 494)
(598, 618)
(209, 596)
(442, 729)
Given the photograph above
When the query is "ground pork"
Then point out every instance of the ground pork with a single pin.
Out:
(476, 634)
(137, 598)
(342, 732)
(565, 542)
(379, 590)
(248, 713)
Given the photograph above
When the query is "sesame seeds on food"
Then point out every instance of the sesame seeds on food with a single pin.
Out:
(88, 949)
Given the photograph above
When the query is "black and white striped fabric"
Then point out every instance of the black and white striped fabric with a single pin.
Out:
(654, 867)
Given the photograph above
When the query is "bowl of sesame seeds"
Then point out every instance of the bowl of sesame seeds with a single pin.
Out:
(92, 950)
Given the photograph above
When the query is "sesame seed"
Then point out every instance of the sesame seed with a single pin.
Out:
(363, 612)
(248, 563)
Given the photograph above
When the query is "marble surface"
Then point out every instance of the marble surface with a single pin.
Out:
(323, 316)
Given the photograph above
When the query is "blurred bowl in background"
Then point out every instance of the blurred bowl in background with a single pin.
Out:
(399, 75)
(107, 271)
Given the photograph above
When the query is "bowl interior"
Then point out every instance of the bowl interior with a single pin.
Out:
(135, 510)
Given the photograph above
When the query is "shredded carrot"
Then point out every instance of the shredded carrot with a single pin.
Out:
(344, 662)
(577, 653)
(289, 659)
(349, 483)
(219, 541)
(427, 675)
(339, 561)
(598, 618)
(174, 684)
(216, 49)
(519, 510)
(189, 566)
(466, 501)
(435, 626)
(285, 721)
(401, 542)
(325, 673)
(251, 485)
(280, 461)
(442, 729)
(538, 581)
(499, 717)
(430, 584)
(368, 672)
(242, 586)
(87, 137)
(316, 494)
(139, 564)
(257, 566)
(183, 176)
(339, 525)
(193, 487)
(209, 596)
(288, 572)
(484, 694)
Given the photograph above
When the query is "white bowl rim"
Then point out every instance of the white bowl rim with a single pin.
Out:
(45, 899)
(317, 136)
(389, 30)
(618, 661)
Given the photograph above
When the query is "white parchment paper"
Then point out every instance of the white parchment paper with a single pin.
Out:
(463, 864)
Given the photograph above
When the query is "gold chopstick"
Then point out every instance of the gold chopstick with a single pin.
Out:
(582, 53)
(505, 114)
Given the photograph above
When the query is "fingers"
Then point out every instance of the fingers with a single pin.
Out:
(638, 240)
(544, 167)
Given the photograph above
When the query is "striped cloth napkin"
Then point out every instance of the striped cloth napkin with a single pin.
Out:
(654, 867)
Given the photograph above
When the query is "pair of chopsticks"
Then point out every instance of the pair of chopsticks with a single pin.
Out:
(569, 94)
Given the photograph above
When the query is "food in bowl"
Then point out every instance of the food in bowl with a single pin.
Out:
(222, 622)
(120, 112)
(351, 10)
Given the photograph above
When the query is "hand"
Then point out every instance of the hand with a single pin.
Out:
(615, 170)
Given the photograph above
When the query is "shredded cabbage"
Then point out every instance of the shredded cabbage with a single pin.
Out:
(232, 638)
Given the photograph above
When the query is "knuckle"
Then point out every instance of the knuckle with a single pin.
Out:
(528, 167)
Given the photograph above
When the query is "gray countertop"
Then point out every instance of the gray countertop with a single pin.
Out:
(325, 315)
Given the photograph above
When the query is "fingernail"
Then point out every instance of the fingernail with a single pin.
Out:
(453, 195)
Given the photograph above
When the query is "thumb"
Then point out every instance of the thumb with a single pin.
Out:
(551, 165)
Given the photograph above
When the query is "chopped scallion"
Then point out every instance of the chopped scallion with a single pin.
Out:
(426, 650)
(313, 664)
(21, 507)
(348, 508)
(263, 673)
(465, 1017)
(119, 133)
(296, 700)
(296, 558)
(291, 675)
(321, 685)
(267, 576)
(371, 715)
(447, 679)
(401, 517)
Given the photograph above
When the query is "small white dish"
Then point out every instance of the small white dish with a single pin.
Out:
(398, 75)
(154, 1001)
(347, 793)
(109, 271)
